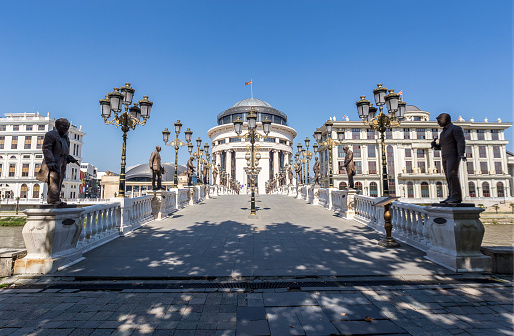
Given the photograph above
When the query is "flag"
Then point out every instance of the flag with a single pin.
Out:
(344, 116)
(248, 83)
(400, 93)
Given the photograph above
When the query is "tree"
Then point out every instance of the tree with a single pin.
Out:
(496, 207)
(512, 206)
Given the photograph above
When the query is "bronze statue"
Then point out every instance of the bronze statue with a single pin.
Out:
(157, 169)
(299, 172)
(56, 155)
(350, 166)
(205, 173)
(291, 176)
(190, 171)
(214, 175)
(452, 145)
(316, 171)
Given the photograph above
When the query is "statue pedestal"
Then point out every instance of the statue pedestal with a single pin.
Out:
(159, 204)
(348, 210)
(291, 190)
(456, 233)
(50, 235)
(315, 194)
(299, 191)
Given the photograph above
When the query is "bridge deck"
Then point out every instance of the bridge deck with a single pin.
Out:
(216, 238)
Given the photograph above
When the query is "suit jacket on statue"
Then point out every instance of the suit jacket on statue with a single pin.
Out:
(155, 161)
(56, 149)
(452, 141)
(348, 163)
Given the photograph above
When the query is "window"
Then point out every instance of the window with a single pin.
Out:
(372, 165)
(471, 168)
(390, 160)
(408, 152)
(435, 133)
(12, 169)
(340, 151)
(40, 139)
(485, 190)
(500, 190)
(0, 170)
(356, 151)
(417, 118)
(28, 127)
(392, 187)
(222, 141)
(358, 168)
(358, 185)
(422, 167)
(28, 140)
(40, 127)
(340, 167)
(408, 167)
(2, 142)
(420, 133)
(370, 134)
(39, 156)
(371, 151)
(420, 153)
(25, 170)
(468, 151)
(2, 128)
(373, 189)
(342, 186)
(265, 139)
(467, 134)
(356, 133)
(410, 190)
(406, 133)
(389, 133)
(495, 135)
(437, 153)
(14, 142)
(229, 140)
(480, 134)
(284, 142)
(483, 168)
(424, 190)
(472, 190)
(439, 189)
(16, 127)
(498, 168)
(496, 152)
(37, 168)
(26, 156)
(35, 191)
(481, 152)
(23, 191)
(437, 165)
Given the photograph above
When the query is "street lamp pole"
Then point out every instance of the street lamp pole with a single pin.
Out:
(329, 143)
(133, 116)
(177, 143)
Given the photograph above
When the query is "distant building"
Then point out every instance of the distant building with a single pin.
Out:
(90, 184)
(414, 169)
(21, 156)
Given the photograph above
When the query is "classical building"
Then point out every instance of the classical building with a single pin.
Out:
(21, 156)
(229, 150)
(90, 183)
(414, 169)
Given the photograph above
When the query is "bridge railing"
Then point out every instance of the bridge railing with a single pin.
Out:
(99, 225)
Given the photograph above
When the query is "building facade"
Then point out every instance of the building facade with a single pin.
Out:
(414, 169)
(229, 150)
(21, 156)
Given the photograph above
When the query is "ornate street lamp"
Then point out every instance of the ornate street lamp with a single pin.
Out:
(177, 143)
(133, 116)
(198, 156)
(329, 143)
(380, 123)
(253, 157)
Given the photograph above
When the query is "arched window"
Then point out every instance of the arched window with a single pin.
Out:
(373, 189)
(439, 189)
(500, 190)
(35, 191)
(342, 186)
(390, 160)
(425, 193)
(358, 185)
(410, 190)
(485, 190)
(23, 191)
(392, 187)
(472, 190)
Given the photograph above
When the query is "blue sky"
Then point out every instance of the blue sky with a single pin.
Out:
(309, 59)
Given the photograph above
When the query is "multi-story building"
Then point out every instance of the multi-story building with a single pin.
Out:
(90, 184)
(229, 150)
(414, 169)
(21, 156)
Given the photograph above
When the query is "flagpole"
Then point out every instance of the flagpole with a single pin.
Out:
(251, 86)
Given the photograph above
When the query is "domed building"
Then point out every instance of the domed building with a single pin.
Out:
(229, 150)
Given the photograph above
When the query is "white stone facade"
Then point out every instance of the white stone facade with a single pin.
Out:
(229, 150)
(414, 169)
(21, 156)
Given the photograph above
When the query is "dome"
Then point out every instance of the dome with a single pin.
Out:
(251, 102)
(143, 172)
(412, 108)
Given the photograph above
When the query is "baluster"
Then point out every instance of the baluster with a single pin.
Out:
(424, 231)
(401, 222)
(419, 227)
(94, 228)
(83, 232)
(409, 223)
(414, 226)
(88, 228)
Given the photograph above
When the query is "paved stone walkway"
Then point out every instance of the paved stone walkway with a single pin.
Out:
(216, 238)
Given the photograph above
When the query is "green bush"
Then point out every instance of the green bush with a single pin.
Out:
(13, 221)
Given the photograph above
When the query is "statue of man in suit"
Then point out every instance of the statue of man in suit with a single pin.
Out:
(56, 155)
(316, 171)
(205, 173)
(452, 145)
(214, 175)
(157, 169)
(350, 166)
(299, 172)
(190, 171)
(290, 173)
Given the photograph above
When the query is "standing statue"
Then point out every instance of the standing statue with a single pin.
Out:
(214, 175)
(190, 171)
(291, 176)
(205, 173)
(316, 171)
(350, 166)
(452, 144)
(56, 155)
(157, 169)
(299, 172)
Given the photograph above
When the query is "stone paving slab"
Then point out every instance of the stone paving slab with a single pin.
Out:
(216, 238)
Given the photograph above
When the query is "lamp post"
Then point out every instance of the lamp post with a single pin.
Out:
(329, 143)
(198, 156)
(308, 157)
(252, 157)
(177, 143)
(207, 161)
(133, 116)
(380, 123)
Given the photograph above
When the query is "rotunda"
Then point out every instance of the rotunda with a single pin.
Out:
(229, 150)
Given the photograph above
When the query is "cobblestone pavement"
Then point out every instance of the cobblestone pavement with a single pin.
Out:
(454, 309)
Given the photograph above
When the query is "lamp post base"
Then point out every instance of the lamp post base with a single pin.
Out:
(388, 242)
(253, 217)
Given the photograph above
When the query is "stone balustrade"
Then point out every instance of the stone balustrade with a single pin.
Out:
(99, 225)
